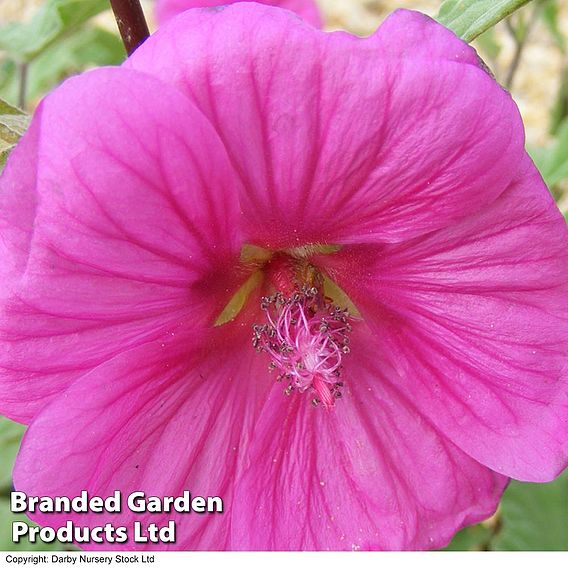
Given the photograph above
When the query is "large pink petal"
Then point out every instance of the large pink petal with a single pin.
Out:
(474, 319)
(410, 34)
(120, 215)
(158, 419)
(307, 9)
(372, 473)
(18, 203)
(337, 138)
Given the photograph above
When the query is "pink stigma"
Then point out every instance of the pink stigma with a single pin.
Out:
(306, 336)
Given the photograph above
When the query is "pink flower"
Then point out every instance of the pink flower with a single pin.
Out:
(307, 9)
(366, 204)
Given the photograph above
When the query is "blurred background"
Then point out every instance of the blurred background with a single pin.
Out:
(44, 41)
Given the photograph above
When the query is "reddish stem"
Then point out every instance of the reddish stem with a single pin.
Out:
(131, 23)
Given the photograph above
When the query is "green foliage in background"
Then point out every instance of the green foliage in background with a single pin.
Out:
(13, 124)
(552, 160)
(531, 516)
(10, 436)
(550, 18)
(534, 516)
(54, 19)
(59, 41)
(91, 47)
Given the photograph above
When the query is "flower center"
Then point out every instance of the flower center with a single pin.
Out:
(308, 318)
(306, 336)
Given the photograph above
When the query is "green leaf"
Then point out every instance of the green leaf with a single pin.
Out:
(13, 124)
(550, 17)
(539, 155)
(552, 161)
(560, 109)
(90, 46)
(475, 537)
(470, 18)
(6, 520)
(534, 516)
(10, 436)
(25, 40)
(488, 44)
